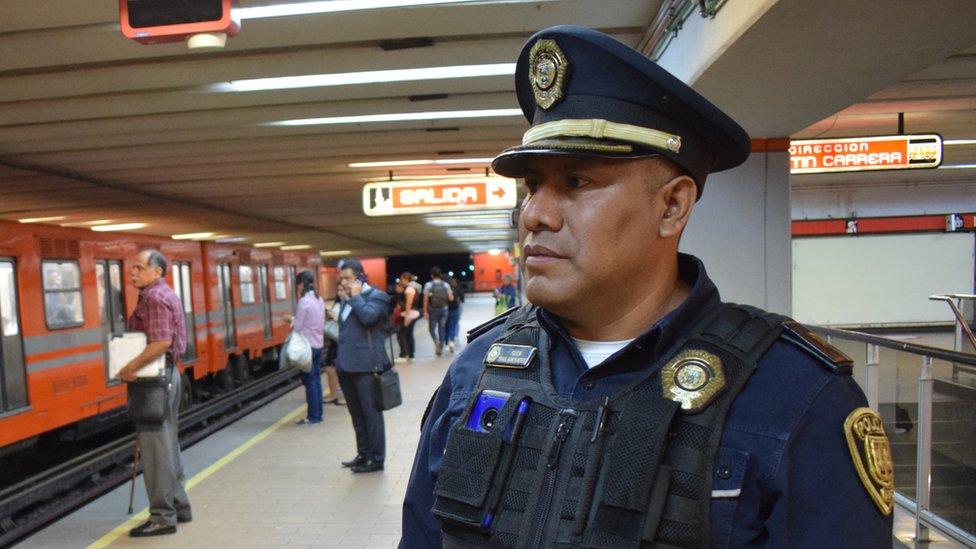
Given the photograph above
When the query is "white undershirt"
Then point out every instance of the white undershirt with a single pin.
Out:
(595, 352)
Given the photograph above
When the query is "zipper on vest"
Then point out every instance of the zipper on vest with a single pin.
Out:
(592, 468)
(566, 420)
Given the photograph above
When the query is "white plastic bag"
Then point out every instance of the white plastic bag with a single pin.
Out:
(298, 352)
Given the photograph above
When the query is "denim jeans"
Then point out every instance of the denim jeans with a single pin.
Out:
(453, 320)
(437, 323)
(313, 387)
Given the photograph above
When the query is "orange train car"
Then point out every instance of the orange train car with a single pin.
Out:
(65, 291)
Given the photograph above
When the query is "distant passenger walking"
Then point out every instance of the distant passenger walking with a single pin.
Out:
(505, 295)
(159, 313)
(362, 320)
(310, 322)
(437, 296)
(454, 309)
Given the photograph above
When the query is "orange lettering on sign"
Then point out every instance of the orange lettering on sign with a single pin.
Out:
(463, 194)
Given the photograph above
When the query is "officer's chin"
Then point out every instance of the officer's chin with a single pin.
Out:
(547, 293)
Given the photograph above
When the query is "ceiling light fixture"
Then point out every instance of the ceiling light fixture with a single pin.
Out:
(959, 142)
(957, 166)
(192, 236)
(332, 6)
(437, 162)
(42, 219)
(118, 227)
(364, 77)
(87, 223)
(296, 247)
(397, 117)
(334, 253)
(268, 244)
(230, 239)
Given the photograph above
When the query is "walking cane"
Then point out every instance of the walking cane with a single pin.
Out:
(132, 488)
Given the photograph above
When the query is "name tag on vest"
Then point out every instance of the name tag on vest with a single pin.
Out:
(502, 355)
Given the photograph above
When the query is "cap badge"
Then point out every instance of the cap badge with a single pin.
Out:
(693, 378)
(871, 454)
(547, 72)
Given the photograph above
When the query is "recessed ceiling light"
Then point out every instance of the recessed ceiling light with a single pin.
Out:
(192, 236)
(333, 253)
(42, 219)
(296, 247)
(268, 244)
(959, 142)
(118, 227)
(230, 239)
(957, 166)
(332, 6)
(398, 117)
(364, 77)
(438, 162)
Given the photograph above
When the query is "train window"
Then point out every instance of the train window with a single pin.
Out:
(247, 284)
(13, 386)
(111, 298)
(227, 305)
(183, 286)
(62, 294)
(280, 284)
(291, 281)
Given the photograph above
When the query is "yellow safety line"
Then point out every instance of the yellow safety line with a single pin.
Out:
(124, 528)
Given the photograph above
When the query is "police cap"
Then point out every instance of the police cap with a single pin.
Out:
(585, 93)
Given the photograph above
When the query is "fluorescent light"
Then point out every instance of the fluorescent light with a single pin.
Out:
(42, 219)
(445, 178)
(230, 239)
(959, 142)
(87, 223)
(334, 253)
(192, 236)
(364, 77)
(118, 227)
(494, 251)
(296, 247)
(438, 162)
(268, 244)
(398, 117)
(332, 6)
(957, 166)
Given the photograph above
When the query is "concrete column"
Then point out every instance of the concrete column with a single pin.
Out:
(741, 229)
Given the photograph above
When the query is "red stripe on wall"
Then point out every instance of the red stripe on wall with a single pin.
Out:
(876, 225)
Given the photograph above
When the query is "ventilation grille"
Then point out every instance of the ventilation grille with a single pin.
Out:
(59, 248)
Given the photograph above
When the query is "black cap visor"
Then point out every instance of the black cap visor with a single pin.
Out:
(512, 162)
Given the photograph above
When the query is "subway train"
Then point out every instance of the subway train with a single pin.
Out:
(65, 291)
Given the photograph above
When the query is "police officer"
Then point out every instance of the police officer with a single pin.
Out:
(628, 406)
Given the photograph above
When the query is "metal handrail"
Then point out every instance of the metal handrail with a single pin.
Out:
(960, 318)
(920, 507)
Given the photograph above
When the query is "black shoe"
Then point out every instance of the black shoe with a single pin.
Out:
(184, 518)
(152, 528)
(355, 462)
(368, 467)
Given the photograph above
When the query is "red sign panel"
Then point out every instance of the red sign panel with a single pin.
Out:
(398, 198)
(896, 152)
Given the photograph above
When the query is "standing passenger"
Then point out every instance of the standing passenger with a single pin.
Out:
(159, 313)
(361, 354)
(310, 322)
(437, 296)
(410, 310)
(454, 309)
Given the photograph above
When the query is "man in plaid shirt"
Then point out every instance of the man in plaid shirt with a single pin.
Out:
(159, 313)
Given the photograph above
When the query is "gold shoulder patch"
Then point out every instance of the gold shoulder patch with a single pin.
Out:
(871, 454)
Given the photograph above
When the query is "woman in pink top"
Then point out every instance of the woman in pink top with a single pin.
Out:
(310, 322)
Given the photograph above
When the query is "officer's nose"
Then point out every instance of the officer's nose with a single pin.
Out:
(541, 210)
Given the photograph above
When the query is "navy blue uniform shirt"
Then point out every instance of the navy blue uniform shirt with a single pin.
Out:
(783, 474)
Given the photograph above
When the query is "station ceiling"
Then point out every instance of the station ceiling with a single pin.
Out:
(94, 127)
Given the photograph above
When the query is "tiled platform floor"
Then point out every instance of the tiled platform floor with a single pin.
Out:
(287, 488)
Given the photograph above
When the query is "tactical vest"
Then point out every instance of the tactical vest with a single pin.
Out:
(632, 471)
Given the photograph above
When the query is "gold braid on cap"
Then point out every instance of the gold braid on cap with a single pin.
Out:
(603, 129)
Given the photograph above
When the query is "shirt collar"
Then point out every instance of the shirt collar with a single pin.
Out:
(153, 284)
(663, 333)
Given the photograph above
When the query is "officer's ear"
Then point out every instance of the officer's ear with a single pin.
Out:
(676, 198)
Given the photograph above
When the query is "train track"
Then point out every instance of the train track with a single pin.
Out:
(35, 502)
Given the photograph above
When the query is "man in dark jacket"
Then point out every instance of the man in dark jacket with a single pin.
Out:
(361, 353)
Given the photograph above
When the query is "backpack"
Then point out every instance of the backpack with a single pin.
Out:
(439, 292)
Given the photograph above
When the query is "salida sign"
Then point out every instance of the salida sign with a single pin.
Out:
(855, 154)
(399, 198)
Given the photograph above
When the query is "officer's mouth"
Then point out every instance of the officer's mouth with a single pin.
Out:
(538, 255)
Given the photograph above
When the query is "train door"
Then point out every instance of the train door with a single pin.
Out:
(265, 299)
(183, 286)
(13, 383)
(227, 305)
(111, 303)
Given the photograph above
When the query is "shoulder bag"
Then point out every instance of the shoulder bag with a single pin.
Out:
(386, 383)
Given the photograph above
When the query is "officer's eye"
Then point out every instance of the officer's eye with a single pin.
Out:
(575, 182)
(531, 185)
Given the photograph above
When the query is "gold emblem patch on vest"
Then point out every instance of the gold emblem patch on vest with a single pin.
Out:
(503, 355)
(693, 378)
(871, 454)
(547, 72)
